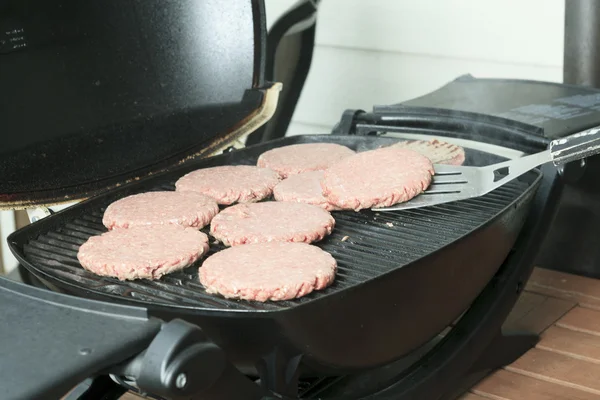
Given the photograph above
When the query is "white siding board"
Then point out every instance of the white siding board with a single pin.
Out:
(512, 31)
(7, 226)
(509, 31)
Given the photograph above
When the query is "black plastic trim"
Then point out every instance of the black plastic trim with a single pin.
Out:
(451, 123)
(51, 342)
(260, 45)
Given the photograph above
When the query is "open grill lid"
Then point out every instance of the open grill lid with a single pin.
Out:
(96, 94)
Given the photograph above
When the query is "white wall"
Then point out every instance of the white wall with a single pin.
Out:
(387, 51)
(7, 226)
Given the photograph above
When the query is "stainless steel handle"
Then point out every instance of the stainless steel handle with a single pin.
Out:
(575, 147)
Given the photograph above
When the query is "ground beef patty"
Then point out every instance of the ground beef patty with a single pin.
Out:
(377, 178)
(303, 188)
(271, 221)
(142, 251)
(298, 158)
(159, 208)
(231, 184)
(268, 271)
(437, 151)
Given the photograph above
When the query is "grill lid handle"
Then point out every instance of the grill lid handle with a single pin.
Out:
(576, 147)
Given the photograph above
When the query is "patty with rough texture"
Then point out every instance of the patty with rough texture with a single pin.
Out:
(271, 221)
(303, 188)
(299, 158)
(268, 271)
(159, 208)
(377, 178)
(437, 151)
(143, 251)
(231, 184)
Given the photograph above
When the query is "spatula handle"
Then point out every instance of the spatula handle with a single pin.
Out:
(575, 147)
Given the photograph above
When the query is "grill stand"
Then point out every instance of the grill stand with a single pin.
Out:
(504, 350)
(280, 374)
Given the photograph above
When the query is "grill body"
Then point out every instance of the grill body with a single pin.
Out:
(403, 276)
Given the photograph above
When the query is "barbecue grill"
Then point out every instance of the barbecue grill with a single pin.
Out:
(417, 306)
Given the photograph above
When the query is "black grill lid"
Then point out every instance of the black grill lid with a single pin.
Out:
(95, 94)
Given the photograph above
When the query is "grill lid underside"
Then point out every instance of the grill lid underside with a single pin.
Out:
(104, 93)
(366, 244)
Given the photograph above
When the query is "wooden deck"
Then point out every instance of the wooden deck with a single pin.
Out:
(565, 365)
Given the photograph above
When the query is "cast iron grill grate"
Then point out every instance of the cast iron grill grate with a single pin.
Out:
(365, 244)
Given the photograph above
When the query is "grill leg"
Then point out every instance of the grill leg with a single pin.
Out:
(505, 349)
(280, 374)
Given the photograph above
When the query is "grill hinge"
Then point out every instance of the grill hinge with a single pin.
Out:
(181, 362)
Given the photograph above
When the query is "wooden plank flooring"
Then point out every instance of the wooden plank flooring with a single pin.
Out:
(565, 365)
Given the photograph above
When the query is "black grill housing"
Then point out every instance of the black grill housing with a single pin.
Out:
(366, 245)
(406, 264)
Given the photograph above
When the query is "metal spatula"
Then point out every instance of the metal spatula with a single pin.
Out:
(454, 183)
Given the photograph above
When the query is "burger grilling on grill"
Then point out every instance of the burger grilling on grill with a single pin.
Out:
(272, 213)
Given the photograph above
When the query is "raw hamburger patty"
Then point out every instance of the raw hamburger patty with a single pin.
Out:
(159, 208)
(271, 221)
(268, 271)
(303, 188)
(142, 251)
(437, 151)
(377, 178)
(230, 184)
(298, 158)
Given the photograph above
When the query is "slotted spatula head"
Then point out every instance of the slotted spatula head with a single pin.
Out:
(453, 183)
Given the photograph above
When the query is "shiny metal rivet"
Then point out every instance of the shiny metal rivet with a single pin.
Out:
(181, 381)
(85, 351)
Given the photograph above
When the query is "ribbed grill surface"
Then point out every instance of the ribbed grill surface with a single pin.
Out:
(365, 244)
